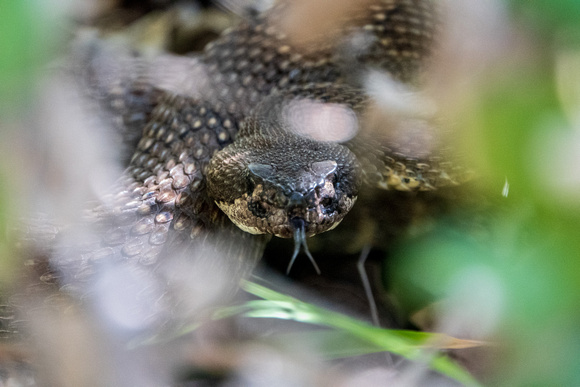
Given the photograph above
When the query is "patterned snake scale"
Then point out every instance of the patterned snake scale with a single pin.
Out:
(185, 163)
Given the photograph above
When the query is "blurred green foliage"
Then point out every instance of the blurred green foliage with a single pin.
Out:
(531, 247)
(550, 16)
(27, 39)
(17, 59)
(348, 337)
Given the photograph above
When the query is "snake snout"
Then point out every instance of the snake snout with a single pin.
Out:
(296, 199)
(298, 202)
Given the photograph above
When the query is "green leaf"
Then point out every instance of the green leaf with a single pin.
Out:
(418, 346)
(549, 15)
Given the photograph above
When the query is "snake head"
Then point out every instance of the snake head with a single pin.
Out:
(279, 184)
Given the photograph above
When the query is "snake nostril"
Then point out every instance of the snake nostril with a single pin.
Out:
(329, 205)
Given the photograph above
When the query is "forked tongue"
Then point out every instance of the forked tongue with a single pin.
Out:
(300, 240)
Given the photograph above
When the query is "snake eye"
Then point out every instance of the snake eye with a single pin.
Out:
(257, 209)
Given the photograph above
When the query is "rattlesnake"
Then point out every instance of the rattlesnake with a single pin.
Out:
(238, 151)
(268, 178)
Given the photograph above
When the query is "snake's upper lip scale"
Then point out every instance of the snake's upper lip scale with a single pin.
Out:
(298, 223)
(299, 202)
(297, 214)
(296, 200)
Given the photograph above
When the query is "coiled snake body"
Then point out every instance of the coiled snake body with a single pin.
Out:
(237, 146)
